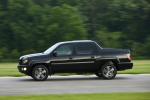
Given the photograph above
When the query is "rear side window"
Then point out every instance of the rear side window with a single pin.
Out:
(84, 48)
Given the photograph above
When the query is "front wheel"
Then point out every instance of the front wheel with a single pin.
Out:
(40, 73)
(108, 71)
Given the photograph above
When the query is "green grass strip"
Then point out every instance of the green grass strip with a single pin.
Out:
(98, 96)
(139, 67)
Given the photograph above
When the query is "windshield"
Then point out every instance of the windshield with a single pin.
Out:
(49, 50)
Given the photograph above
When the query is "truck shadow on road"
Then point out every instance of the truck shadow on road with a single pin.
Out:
(88, 78)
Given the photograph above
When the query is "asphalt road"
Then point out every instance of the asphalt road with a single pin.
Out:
(74, 84)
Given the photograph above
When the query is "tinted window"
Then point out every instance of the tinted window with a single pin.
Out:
(84, 48)
(64, 50)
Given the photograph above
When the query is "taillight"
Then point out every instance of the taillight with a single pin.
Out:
(129, 56)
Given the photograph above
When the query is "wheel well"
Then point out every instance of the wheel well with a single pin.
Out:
(115, 64)
(109, 61)
(46, 65)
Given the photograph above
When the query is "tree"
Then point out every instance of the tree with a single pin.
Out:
(108, 39)
(64, 23)
(27, 27)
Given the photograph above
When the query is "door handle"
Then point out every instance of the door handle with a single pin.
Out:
(70, 58)
(92, 57)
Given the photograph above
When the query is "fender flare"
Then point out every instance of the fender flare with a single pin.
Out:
(37, 62)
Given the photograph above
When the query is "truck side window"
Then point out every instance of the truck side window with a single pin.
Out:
(64, 50)
(84, 48)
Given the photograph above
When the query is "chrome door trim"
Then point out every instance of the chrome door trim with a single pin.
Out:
(73, 62)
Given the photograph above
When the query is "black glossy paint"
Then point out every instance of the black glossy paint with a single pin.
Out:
(74, 62)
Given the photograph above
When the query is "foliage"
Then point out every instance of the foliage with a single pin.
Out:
(108, 39)
(29, 26)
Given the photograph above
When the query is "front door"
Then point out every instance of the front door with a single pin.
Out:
(61, 60)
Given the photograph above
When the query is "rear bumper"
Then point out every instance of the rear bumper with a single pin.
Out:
(24, 69)
(125, 65)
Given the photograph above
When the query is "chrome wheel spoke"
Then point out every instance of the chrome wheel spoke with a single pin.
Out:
(43, 72)
(110, 74)
(38, 76)
(42, 76)
(112, 69)
(108, 68)
(105, 70)
(40, 69)
(107, 74)
(36, 72)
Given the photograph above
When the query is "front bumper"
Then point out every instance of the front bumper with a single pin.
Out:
(24, 69)
(124, 65)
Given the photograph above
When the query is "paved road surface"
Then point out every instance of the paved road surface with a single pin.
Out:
(74, 84)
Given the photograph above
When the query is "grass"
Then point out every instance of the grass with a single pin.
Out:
(98, 96)
(9, 69)
(140, 67)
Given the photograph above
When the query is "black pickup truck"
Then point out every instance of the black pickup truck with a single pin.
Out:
(83, 56)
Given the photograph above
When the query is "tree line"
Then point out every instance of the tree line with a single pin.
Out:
(30, 26)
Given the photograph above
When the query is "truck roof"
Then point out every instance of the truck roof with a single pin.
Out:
(76, 41)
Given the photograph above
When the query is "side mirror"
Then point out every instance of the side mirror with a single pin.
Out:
(55, 53)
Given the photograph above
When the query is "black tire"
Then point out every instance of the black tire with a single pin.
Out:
(40, 73)
(98, 74)
(108, 71)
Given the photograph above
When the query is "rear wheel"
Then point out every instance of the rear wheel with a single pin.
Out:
(108, 71)
(40, 73)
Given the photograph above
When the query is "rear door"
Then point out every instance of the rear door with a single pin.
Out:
(85, 57)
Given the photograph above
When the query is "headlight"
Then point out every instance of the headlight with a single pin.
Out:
(25, 61)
